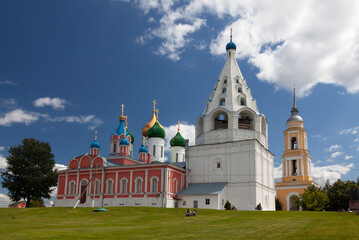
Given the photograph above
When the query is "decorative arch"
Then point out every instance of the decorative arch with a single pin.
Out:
(98, 161)
(175, 185)
(123, 185)
(199, 126)
(291, 205)
(154, 184)
(138, 185)
(220, 120)
(73, 164)
(246, 119)
(109, 186)
(85, 162)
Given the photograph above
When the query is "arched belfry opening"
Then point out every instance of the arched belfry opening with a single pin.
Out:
(293, 203)
(243, 102)
(199, 126)
(245, 120)
(294, 143)
(222, 102)
(220, 121)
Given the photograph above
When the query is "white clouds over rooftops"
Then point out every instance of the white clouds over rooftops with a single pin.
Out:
(334, 147)
(187, 131)
(55, 103)
(303, 42)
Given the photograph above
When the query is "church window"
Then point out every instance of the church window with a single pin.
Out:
(175, 185)
(237, 80)
(154, 151)
(139, 185)
(184, 203)
(221, 121)
(294, 143)
(199, 126)
(243, 102)
(222, 102)
(154, 185)
(244, 121)
(239, 90)
(72, 188)
(109, 186)
(176, 157)
(225, 81)
(114, 147)
(218, 165)
(224, 90)
(161, 151)
(294, 168)
(124, 186)
(207, 201)
(97, 187)
(229, 54)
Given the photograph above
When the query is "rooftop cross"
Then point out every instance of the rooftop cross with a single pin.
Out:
(178, 125)
(95, 134)
(154, 105)
(157, 114)
(126, 120)
(231, 34)
(122, 117)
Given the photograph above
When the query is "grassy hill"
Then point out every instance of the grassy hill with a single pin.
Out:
(158, 223)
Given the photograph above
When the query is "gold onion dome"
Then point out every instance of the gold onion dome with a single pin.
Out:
(152, 122)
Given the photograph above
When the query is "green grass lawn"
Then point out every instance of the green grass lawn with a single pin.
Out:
(159, 223)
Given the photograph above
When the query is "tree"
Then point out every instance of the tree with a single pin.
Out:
(37, 202)
(339, 194)
(29, 173)
(313, 199)
(278, 205)
(258, 207)
(228, 205)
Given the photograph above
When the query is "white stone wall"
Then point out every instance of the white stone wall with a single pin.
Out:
(158, 143)
(177, 150)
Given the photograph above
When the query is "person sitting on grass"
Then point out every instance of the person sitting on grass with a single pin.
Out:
(188, 213)
(194, 212)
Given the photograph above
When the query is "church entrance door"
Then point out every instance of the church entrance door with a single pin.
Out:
(83, 194)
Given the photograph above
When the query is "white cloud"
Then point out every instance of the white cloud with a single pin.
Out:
(4, 200)
(82, 119)
(3, 162)
(278, 171)
(356, 140)
(347, 157)
(19, 116)
(187, 131)
(308, 42)
(8, 103)
(59, 167)
(8, 82)
(2, 148)
(335, 154)
(334, 147)
(55, 103)
(331, 172)
(353, 130)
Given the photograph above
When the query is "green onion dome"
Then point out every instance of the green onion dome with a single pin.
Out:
(178, 141)
(132, 137)
(156, 131)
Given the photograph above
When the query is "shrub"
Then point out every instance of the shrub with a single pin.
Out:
(259, 206)
(228, 205)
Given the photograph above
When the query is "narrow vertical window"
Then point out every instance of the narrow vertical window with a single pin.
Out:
(176, 157)
(161, 151)
(109, 186)
(114, 147)
(97, 187)
(124, 186)
(154, 185)
(138, 186)
(154, 151)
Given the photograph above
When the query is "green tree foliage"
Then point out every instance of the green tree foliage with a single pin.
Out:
(259, 206)
(313, 199)
(278, 205)
(37, 202)
(227, 205)
(29, 174)
(339, 194)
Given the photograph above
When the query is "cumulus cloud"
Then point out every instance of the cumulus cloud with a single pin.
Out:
(92, 120)
(4, 200)
(55, 103)
(303, 42)
(353, 130)
(3, 162)
(187, 131)
(19, 116)
(334, 147)
(335, 154)
(321, 174)
(59, 167)
(347, 157)
(8, 103)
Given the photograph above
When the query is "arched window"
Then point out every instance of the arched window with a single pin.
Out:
(239, 90)
(72, 188)
(175, 186)
(294, 143)
(138, 185)
(83, 191)
(176, 157)
(154, 150)
(245, 121)
(221, 121)
(114, 147)
(154, 185)
(225, 81)
(199, 126)
(161, 151)
(222, 102)
(109, 186)
(237, 80)
(264, 126)
(243, 102)
(97, 187)
(123, 186)
(224, 90)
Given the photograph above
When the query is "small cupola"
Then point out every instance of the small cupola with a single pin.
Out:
(95, 146)
(178, 140)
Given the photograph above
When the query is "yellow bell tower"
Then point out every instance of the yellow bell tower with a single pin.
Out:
(296, 161)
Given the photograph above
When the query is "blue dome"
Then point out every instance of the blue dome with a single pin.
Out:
(231, 45)
(124, 141)
(95, 144)
(143, 149)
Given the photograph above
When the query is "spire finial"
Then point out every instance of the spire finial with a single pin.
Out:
(157, 114)
(294, 100)
(154, 105)
(231, 34)
(122, 117)
(178, 125)
(143, 140)
(126, 120)
(95, 135)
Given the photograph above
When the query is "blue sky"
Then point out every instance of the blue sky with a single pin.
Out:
(67, 66)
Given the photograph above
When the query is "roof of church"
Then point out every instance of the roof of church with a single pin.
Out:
(203, 188)
(231, 45)
(178, 141)
(156, 131)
